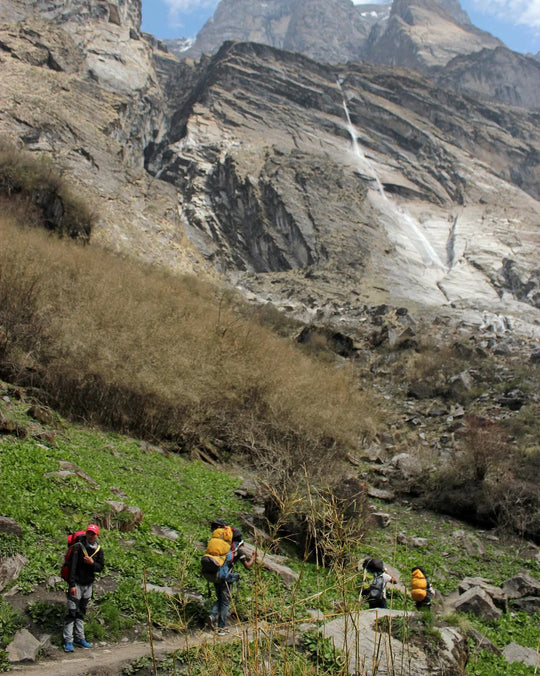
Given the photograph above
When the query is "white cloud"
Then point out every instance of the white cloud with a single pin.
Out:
(514, 11)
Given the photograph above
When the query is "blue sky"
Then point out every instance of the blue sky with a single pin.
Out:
(515, 22)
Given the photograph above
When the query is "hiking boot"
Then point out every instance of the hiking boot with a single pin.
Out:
(82, 643)
(68, 647)
(222, 631)
(211, 622)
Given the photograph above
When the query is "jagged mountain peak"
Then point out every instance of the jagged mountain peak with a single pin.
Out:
(411, 33)
(449, 9)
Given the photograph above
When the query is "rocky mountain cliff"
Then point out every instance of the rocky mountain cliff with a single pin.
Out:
(424, 35)
(409, 33)
(319, 187)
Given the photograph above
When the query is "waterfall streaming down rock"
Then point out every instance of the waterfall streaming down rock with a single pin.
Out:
(402, 228)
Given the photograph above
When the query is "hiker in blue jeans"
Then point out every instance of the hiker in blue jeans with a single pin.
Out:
(86, 560)
(220, 609)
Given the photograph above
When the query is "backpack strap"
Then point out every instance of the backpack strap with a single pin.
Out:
(86, 553)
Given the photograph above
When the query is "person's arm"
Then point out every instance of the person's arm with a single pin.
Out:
(388, 578)
(247, 563)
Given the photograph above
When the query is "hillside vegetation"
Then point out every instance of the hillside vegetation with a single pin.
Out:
(57, 476)
(168, 358)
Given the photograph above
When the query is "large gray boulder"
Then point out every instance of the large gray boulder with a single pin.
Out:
(521, 585)
(23, 648)
(514, 652)
(477, 600)
(370, 649)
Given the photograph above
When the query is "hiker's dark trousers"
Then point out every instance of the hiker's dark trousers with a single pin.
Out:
(220, 608)
(75, 612)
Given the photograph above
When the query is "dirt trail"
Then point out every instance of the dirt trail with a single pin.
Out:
(110, 660)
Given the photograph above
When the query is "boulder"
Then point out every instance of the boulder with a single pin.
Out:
(411, 541)
(381, 494)
(9, 526)
(527, 604)
(165, 532)
(10, 569)
(41, 413)
(121, 516)
(476, 600)
(371, 650)
(499, 597)
(521, 585)
(481, 642)
(514, 652)
(269, 562)
(380, 519)
(23, 648)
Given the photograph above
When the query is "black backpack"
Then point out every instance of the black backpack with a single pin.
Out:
(376, 588)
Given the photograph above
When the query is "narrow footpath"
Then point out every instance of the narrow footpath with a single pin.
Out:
(111, 659)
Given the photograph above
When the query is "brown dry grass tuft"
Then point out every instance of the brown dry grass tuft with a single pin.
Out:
(166, 357)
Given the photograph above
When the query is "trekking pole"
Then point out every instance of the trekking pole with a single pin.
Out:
(149, 620)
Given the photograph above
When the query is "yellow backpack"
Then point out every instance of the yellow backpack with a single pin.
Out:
(218, 555)
(419, 585)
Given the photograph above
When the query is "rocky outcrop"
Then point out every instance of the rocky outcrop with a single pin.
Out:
(370, 641)
(423, 33)
(499, 74)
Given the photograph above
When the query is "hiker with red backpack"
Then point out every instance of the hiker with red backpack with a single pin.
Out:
(223, 550)
(83, 560)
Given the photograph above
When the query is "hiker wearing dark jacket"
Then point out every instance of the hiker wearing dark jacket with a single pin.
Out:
(376, 591)
(220, 609)
(85, 561)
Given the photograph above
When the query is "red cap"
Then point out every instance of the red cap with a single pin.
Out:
(92, 528)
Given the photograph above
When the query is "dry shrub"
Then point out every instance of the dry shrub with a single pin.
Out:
(490, 482)
(169, 357)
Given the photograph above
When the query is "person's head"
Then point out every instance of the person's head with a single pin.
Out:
(237, 537)
(218, 523)
(92, 533)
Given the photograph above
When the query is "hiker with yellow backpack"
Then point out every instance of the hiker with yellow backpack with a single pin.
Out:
(83, 560)
(223, 550)
(421, 590)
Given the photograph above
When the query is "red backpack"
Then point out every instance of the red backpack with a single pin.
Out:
(72, 539)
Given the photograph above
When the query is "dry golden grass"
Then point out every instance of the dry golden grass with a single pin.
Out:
(146, 352)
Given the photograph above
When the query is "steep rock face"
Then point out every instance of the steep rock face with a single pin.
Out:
(326, 30)
(126, 13)
(425, 33)
(54, 101)
(317, 183)
(495, 73)
(315, 186)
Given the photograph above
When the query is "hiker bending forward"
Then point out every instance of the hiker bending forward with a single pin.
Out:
(220, 609)
(86, 560)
